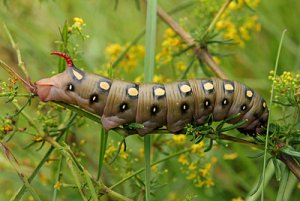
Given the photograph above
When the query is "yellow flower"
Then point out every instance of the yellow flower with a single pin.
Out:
(169, 33)
(192, 166)
(160, 79)
(141, 152)
(198, 148)
(183, 159)
(204, 171)
(57, 185)
(179, 139)
(209, 182)
(114, 49)
(237, 199)
(124, 155)
(43, 178)
(191, 176)
(180, 66)
(139, 79)
(231, 156)
(78, 22)
(154, 168)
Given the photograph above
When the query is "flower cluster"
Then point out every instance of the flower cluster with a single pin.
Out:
(77, 26)
(286, 87)
(112, 150)
(171, 44)
(197, 171)
(129, 60)
(78, 23)
(6, 126)
(236, 23)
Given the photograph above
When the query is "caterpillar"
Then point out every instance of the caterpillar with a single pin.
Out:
(155, 105)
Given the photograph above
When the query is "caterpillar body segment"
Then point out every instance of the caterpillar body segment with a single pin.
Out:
(155, 105)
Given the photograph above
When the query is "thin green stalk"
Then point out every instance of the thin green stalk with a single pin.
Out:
(18, 52)
(28, 118)
(58, 176)
(152, 164)
(76, 175)
(103, 143)
(14, 163)
(283, 184)
(90, 185)
(149, 71)
(270, 112)
(22, 190)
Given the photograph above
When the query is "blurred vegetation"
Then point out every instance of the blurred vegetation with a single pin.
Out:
(59, 150)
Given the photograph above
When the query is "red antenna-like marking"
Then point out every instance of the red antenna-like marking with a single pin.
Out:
(65, 56)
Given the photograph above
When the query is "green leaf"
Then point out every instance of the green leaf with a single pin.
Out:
(289, 151)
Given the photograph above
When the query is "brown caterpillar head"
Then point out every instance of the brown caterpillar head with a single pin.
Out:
(57, 88)
(72, 86)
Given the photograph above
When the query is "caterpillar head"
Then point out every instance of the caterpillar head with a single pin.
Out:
(57, 88)
(73, 86)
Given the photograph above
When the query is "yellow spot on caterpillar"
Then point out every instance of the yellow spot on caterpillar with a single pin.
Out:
(104, 85)
(77, 75)
(264, 105)
(132, 91)
(228, 87)
(249, 93)
(208, 86)
(159, 92)
(185, 88)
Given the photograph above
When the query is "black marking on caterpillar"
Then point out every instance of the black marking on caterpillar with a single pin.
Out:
(155, 105)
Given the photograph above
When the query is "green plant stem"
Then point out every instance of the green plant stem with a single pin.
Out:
(58, 176)
(21, 64)
(22, 190)
(102, 144)
(270, 112)
(27, 117)
(149, 71)
(77, 169)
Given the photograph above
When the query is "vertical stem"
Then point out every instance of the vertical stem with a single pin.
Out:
(103, 143)
(270, 105)
(149, 71)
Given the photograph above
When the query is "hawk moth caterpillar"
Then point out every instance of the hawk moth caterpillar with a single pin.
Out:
(155, 105)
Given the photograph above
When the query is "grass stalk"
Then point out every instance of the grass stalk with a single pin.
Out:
(149, 71)
(270, 115)
(102, 144)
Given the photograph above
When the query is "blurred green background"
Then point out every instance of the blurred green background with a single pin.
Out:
(35, 27)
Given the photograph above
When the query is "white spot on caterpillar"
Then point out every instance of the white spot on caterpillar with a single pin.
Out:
(104, 85)
(77, 75)
(132, 91)
(185, 88)
(264, 105)
(159, 92)
(249, 93)
(71, 87)
(208, 86)
(206, 103)
(225, 101)
(228, 87)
